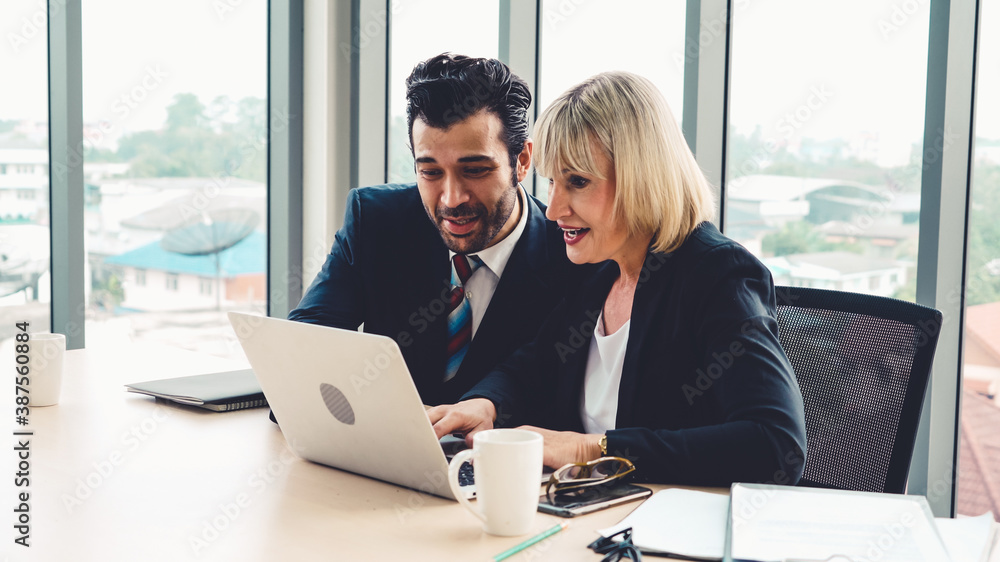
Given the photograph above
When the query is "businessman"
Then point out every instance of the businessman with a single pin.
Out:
(461, 267)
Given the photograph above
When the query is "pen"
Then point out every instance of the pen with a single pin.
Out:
(535, 539)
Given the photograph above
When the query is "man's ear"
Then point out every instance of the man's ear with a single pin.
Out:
(524, 160)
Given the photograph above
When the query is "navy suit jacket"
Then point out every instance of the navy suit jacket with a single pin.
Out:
(707, 395)
(390, 270)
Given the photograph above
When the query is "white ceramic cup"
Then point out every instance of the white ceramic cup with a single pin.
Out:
(45, 368)
(508, 467)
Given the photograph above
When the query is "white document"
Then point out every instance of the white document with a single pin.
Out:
(680, 522)
(780, 523)
(968, 539)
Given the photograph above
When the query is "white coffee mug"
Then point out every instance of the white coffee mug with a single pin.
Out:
(45, 368)
(508, 467)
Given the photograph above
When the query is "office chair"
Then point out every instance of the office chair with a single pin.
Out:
(863, 364)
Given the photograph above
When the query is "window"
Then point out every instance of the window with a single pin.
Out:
(25, 292)
(824, 153)
(979, 473)
(641, 36)
(421, 29)
(175, 136)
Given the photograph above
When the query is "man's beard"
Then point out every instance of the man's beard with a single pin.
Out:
(492, 223)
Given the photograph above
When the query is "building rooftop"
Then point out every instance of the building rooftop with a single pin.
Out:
(979, 456)
(876, 230)
(982, 323)
(844, 263)
(764, 187)
(24, 156)
(247, 257)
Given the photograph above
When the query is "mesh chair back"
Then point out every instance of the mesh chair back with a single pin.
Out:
(862, 363)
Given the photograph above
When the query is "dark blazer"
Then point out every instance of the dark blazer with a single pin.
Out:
(707, 395)
(390, 270)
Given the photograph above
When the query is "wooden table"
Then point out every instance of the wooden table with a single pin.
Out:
(119, 476)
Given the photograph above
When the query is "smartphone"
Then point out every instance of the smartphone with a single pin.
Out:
(591, 499)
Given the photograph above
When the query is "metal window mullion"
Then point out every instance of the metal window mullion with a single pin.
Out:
(707, 42)
(944, 202)
(371, 22)
(67, 255)
(284, 172)
(520, 37)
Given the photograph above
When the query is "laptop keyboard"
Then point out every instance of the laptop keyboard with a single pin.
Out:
(465, 474)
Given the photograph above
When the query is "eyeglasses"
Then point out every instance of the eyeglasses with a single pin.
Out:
(616, 550)
(576, 477)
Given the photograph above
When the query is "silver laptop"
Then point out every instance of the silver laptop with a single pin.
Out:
(346, 399)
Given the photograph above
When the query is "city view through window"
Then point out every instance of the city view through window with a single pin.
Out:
(175, 171)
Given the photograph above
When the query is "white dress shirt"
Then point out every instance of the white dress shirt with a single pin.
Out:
(603, 377)
(483, 283)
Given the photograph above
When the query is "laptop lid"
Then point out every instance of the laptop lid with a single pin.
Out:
(345, 399)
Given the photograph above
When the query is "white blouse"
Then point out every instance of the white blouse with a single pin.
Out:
(599, 399)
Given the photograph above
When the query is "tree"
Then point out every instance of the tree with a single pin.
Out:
(226, 138)
(185, 112)
(982, 284)
(797, 237)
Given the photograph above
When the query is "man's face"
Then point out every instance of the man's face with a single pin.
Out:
(465, 180)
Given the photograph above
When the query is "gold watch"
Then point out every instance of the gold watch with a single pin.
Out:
(603, 443)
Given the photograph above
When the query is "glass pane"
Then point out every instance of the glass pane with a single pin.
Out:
(825, 141)
(641, 36)
(421, 29)
(979, 457)
(175, 170)
(25, 291)
(581, 39)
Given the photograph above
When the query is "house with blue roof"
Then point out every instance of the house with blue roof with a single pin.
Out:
(158, 280)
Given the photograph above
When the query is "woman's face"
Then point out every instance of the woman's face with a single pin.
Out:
(581, 204)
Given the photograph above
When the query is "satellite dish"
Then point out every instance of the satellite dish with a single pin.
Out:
(210, 233)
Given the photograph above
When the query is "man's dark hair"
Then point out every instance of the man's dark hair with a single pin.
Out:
(448, 88)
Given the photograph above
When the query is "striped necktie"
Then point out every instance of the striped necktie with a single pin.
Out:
(459, 312)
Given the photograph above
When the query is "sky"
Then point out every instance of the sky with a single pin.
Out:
(138, 55)
(853, 68)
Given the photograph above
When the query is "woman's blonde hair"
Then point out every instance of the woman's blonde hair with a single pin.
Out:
(660, 189)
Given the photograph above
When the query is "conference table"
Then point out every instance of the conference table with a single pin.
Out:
(121, 476)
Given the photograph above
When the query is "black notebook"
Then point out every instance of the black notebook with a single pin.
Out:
(220, 392)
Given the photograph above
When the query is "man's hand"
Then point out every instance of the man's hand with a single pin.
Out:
(564, 447)
(468, 417)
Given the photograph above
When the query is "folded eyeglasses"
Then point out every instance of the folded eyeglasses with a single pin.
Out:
(578, 477)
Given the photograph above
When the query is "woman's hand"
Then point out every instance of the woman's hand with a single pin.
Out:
(468, 417)
(564, 447)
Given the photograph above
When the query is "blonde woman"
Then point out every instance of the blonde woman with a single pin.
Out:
(668, 354)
